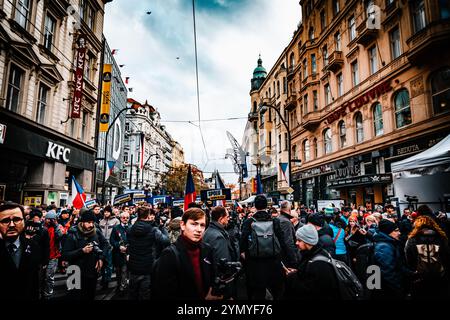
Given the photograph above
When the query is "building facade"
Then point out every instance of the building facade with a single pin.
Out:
(177, 154)
(114, 151)
(367, 85)
(145, 137)
(42, 146)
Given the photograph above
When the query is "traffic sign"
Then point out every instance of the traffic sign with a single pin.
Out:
(290, 190)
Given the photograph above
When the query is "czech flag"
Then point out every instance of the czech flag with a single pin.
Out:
(189, 194)
(78, 195)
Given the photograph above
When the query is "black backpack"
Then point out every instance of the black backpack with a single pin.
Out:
(364, 258)
(264, 243)
(349, 286)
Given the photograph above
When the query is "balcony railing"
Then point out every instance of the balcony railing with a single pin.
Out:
(335, 61)
(365, 34)
(311, 120)
(434, 36)
(291, 101)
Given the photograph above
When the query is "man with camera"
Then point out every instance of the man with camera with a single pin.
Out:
(20, 256)
(219, 240)
(84, 247)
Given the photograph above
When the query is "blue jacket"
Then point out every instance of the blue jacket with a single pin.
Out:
(388, 256)
(340, 243)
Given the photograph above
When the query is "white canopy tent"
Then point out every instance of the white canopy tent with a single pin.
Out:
(249, 200)
(425, 175)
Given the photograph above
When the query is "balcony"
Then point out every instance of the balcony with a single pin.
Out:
(290, 73)
(291, 101)
(335, 61)
(311, 120)
(433, 38)
(365, 35)
(310, 80)
(392, 11)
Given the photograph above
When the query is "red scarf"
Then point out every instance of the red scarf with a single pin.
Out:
(193, 251)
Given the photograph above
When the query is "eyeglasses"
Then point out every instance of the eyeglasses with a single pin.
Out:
(7, 221)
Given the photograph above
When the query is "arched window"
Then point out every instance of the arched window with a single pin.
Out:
(342, 134)
(315, 148)
(402, 109)
(254, 106)
(125, 157)
(306, 154)
(294, 151)
(278, 88)
(440, 90)
(292, 60)
(377, 119)
(311, 33)
(359, 127)
(327, 141)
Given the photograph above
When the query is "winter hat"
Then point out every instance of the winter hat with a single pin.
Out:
(307, 234)
(35, 213)
(51, 215)
(386, 226)
(329, 211)
(316, 219)
(88, 216)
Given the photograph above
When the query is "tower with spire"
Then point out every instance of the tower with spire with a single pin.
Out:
(259, 75)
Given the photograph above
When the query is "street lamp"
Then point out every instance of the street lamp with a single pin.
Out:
(143, 169)
(256, 161)
(263, 107)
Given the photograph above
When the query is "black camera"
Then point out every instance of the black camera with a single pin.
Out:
(227, 272)
(31, 228)
(96, 249)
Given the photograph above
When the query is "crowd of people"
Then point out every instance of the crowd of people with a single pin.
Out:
(225, 252)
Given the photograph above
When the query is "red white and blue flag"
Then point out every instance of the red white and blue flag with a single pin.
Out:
(284, 166)
(189, 194)
(109, 169)
(78, 195)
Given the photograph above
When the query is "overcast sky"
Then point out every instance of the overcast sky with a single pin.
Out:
(230, 36)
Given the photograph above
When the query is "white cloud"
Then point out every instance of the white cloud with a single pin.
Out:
(228, 47)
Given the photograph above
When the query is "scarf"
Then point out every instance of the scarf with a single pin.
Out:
(193, 251)
(86, 233)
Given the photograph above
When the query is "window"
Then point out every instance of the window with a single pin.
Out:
(84, 123)
(49, 31)
(325, 56)
(394, 37)
(42, 103)
(359, 128)
(306, 153)
(270, 93)
(279, 143)
(340, 84)
(322, 20)
(311, 33)
(72, 128)
(355, 74)
(294, 151)
(254, 106)
(440, 90)
(327, 94)
(124, 175)
(23, 8)
(444, 9)
(82, 9)
(278, 88)
(270, 139)
(292, 62)
(402, 109)
(16, 76)
(327, 141)
(337, 41)
(418, 13)
(315, 148)
(305, 68)
(286, 142)
(373, 60)
(90, 14)
(313, 64)
(352, 28)
(88, 68)
(284, 85)
(127, 126)
(125, 157)
(305, 104)
(342, 134)
(335, 7)
(315, 102)
(378, 119)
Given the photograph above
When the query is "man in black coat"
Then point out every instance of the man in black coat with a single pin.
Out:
(144, 241)
(20, 256)
(262, 273)
(315, 278)
(119, 243)
(184, 271)
(290, 256)
(84, 247)
(325, 240)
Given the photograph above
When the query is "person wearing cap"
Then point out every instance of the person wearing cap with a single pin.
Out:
(84, 247)
(325, 239)
(389, 257)
(55, 235)
(315, 278)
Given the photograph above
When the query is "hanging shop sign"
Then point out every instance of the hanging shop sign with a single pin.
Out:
(79, 77)
(2, 132)
(357, 103)
(362, 180)
(106, 97)
(215, 194)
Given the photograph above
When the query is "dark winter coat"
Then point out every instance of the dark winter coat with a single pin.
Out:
(145, 242)
(388, 257)
(290, 256)
(262, 272)
(219, 241)
(314, 280)
(429, 285)
(21, 283)
(173, 276)
(73, 250)
(118, 238)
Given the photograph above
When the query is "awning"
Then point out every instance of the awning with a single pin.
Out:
(250, 199)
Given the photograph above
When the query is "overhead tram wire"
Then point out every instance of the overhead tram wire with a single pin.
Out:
(205, 120)
(196, 74)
